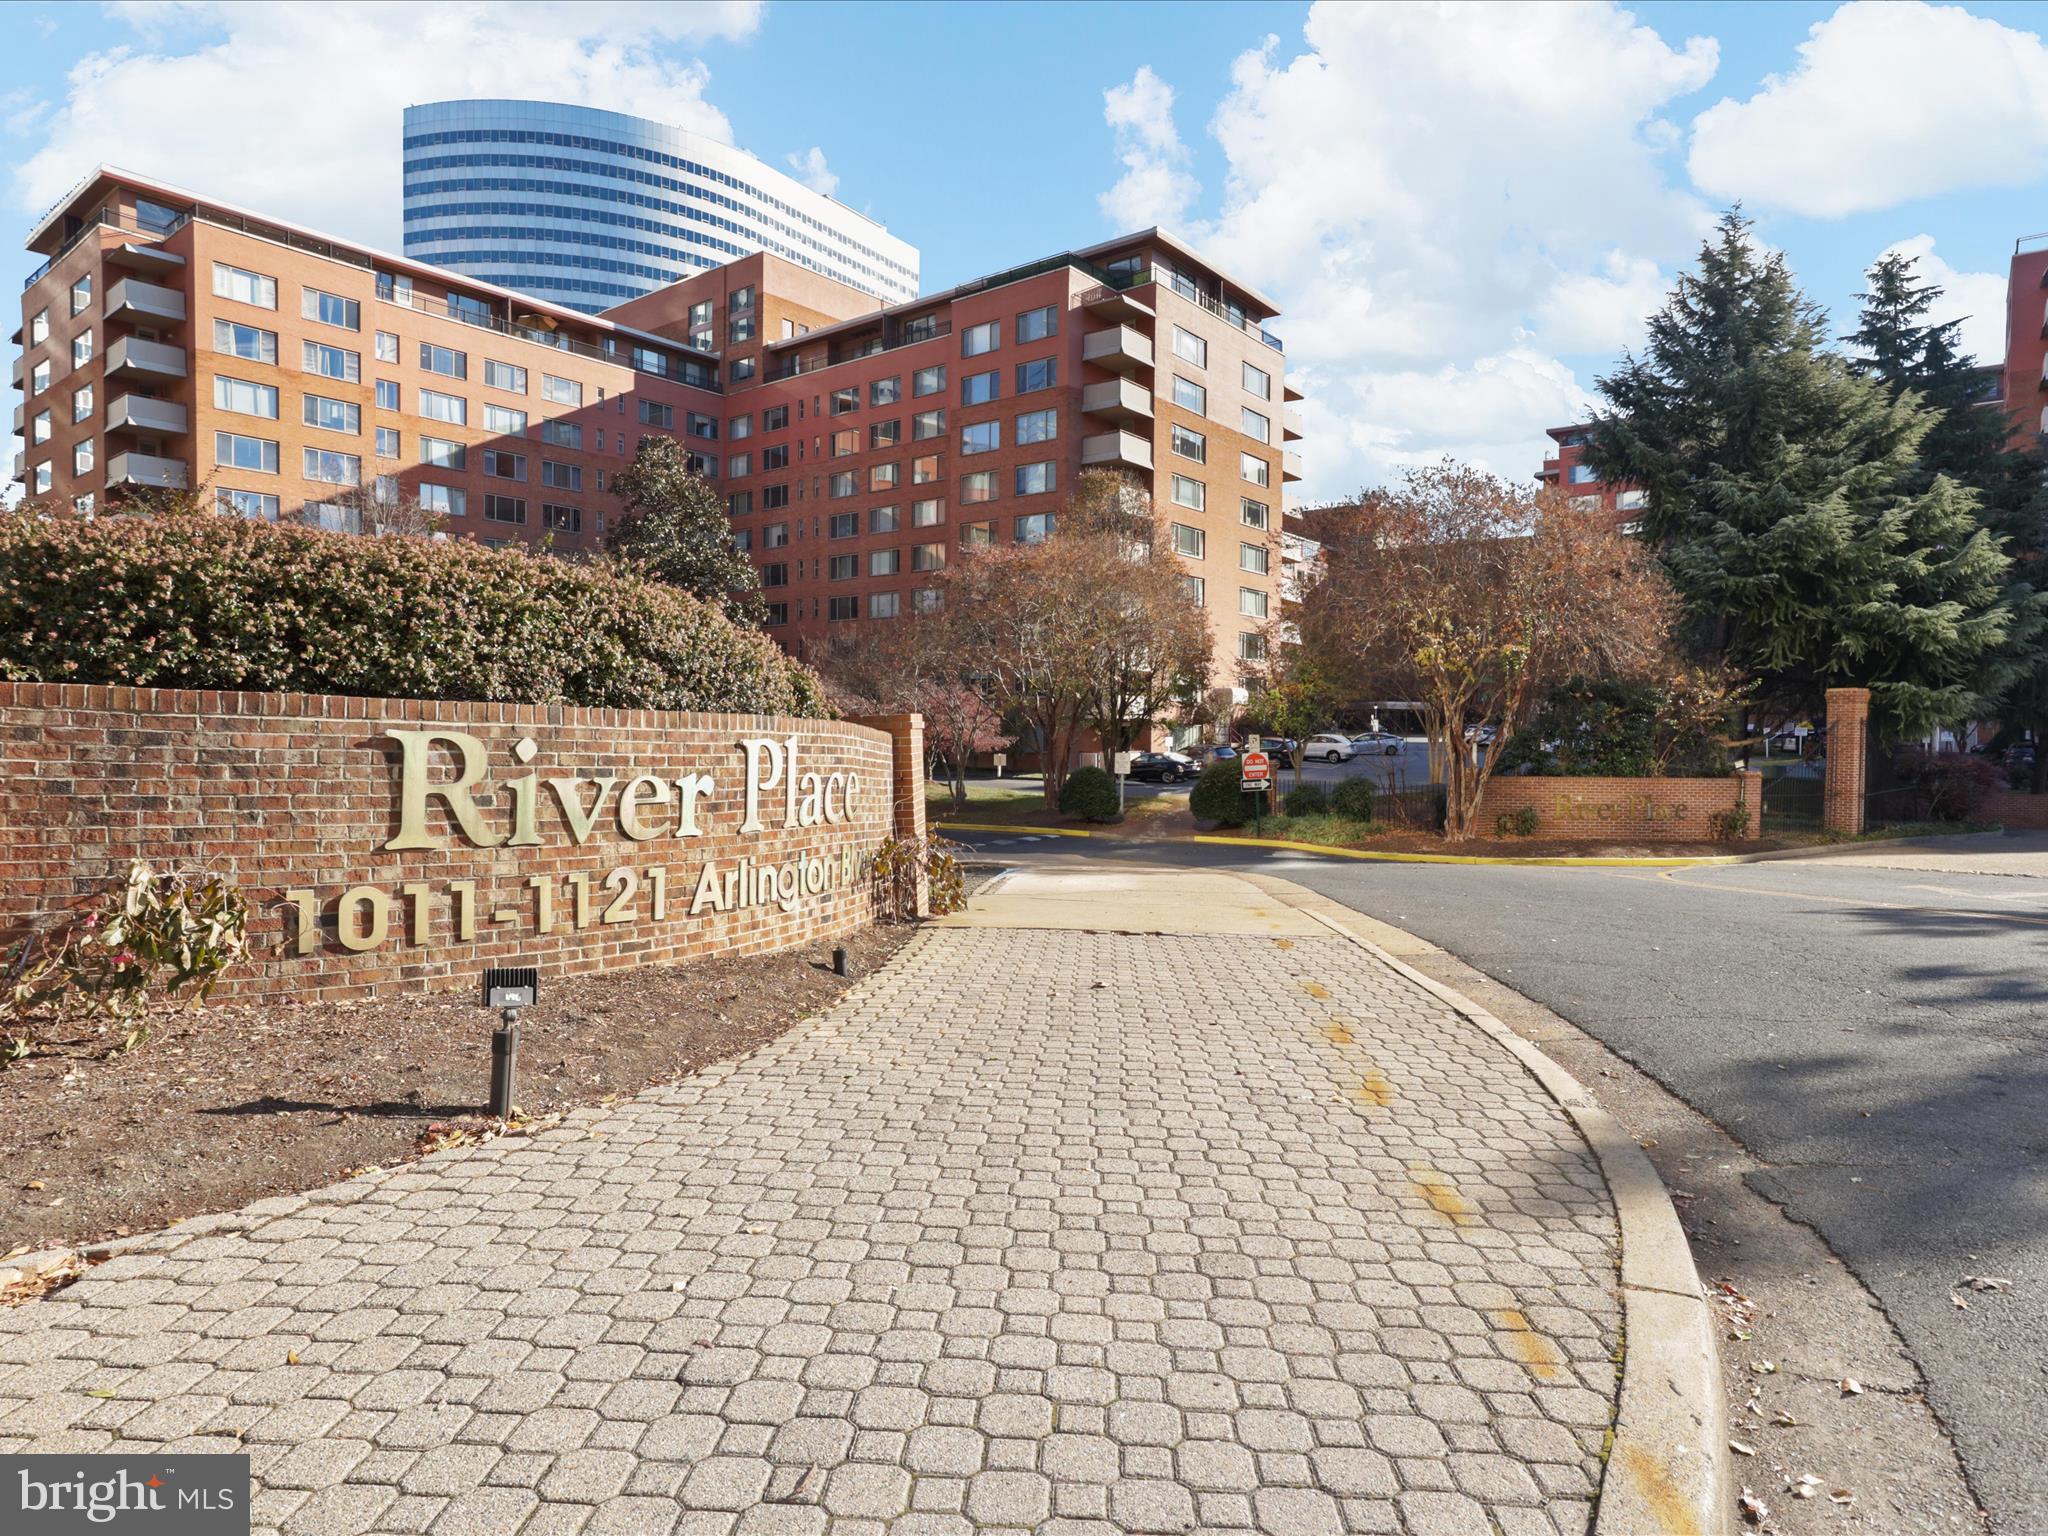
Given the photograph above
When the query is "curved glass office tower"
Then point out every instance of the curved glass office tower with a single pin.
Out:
(591, 208)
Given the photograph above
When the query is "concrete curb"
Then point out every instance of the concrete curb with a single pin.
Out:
(1668, 1472)
(1559, 860)
(941, 827)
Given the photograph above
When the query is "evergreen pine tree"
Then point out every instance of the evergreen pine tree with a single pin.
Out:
(1781, 487)
(1895, 344)
(673, 527)
(1973, 444)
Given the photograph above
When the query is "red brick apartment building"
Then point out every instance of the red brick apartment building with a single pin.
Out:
(169, 340)
(2023, 384)
(1567, 469)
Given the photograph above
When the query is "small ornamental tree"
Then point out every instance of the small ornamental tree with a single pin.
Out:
(915, 666)
(1091, 627)
(673, 528)
(1295, 695)
(1473, 596)
(959, 725)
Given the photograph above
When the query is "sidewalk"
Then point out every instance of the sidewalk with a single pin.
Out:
(1121, 1203)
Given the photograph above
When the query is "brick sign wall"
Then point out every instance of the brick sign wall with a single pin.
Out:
(1667, 810)
(393, 844)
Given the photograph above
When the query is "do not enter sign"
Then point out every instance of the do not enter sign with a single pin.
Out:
(1257, 772)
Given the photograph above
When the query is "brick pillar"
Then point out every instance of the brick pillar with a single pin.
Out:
(906, 782)
(1842, 793)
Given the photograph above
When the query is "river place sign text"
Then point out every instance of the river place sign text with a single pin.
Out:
(535, 809)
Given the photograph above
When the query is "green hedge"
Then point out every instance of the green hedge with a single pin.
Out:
(1305, 800)
(1356, 798)
(194, 599)
(1090, 794)
(1217, 796)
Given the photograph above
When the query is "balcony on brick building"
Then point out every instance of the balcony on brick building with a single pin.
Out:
(1119, 350)
(1119, 448)
(146, 469)
(132, 298)
(140, 413)
(1119, 400)
(134, 357)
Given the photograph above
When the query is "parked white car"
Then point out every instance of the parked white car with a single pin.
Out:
(1330, 747)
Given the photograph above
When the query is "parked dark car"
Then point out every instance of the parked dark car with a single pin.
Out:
(1165, 767)
(1281, 752)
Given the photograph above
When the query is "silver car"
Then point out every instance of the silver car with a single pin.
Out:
(1386, 743)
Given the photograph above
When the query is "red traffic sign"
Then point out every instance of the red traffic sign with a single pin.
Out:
(1257, 772)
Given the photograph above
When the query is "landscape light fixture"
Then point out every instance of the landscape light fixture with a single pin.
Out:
(507, 989)
(839, 960)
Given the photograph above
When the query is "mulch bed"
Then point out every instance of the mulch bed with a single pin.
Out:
(227, 1104)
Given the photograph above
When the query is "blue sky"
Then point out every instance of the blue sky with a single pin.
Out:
(1465, 212)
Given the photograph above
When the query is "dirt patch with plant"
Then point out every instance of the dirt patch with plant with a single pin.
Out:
(223, 1104)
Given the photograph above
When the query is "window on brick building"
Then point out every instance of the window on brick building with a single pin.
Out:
(1041, 373)
(330, 308)
(1037, 324)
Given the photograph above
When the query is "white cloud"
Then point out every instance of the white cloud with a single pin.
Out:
(1975, 298)
(1889, 102)
(197, 96)
(1603, 311)
(1156, 186)
(1443, 209)
(1491, 414)
(811, 170)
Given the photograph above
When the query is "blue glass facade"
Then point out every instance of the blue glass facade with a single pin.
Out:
(591, 208)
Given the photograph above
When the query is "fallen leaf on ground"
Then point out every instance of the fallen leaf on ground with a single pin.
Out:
(1754, 1509)
(1974, 1282)
(1784, 1420)
(1805, 1486)
(1851, 1387)
(1740, 1449)
(1764, 1367)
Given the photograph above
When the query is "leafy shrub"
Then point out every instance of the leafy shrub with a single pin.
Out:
(1948, 786)
(1090, 794)
(1731, 825)
(1609, 728)
(1355, 798)
(148, 937)
(900, 864)
(1518, 823)
(1216, 796)
(1305, 800)
(187, 598)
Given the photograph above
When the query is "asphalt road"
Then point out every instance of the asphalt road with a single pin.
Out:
(1878, 1037)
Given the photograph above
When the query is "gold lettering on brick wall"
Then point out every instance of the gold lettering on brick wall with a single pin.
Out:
(447, 800)
(809, 799)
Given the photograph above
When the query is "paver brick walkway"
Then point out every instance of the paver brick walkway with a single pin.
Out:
(1040, 1231)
